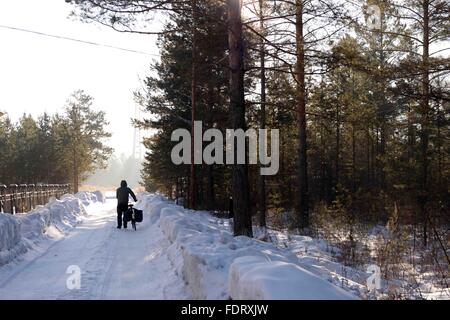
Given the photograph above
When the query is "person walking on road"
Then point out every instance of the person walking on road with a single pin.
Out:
(122, 195)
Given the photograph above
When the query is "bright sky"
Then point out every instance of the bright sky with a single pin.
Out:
(39, 73)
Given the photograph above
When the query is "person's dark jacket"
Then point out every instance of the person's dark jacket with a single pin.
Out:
(123, 193)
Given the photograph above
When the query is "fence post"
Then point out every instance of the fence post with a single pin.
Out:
(31, 194)
(59, 189)
(13, 188)
(52, 191)
(22, 197)
(26, 200)
(38, 194)
(9, 200)
(2, 198)
(47, 193)
(41, 194)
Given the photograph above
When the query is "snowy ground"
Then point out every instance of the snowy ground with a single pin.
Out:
(316, 256)
(115, 264)
(216, 265)
(174, 254)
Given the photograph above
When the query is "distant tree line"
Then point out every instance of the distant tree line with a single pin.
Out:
(60, 148)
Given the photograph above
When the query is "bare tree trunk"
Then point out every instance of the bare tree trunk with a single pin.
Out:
(210, 196)
(74, 148)
(368, 158)
(193, 182)
(178, 191)
(302, 204)
(75, 172)
(338, 147)
(241, 199)
(383, 125)
(440, 157)
(262, 180)
(424, 136)
(383, 143)
(372, 157)
(353, 158)
(376, 157)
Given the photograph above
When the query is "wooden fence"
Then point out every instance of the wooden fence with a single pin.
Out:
(25, 197)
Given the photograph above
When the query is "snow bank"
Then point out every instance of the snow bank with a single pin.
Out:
(255, 278)
(10, 244)
(100, 196)
(19, 232)
(89, 197)
(152, 204)
(203, 250)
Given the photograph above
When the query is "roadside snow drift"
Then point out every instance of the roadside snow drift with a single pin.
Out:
(216, 265)
(10, 244)
(90, 197)
(255, 278)
(19, 232)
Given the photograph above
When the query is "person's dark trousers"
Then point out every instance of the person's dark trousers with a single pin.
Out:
(121, 209)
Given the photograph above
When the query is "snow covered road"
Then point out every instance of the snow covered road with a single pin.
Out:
(174, 254)
(114, 264)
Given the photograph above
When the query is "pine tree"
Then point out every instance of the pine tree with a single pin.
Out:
(83, 133)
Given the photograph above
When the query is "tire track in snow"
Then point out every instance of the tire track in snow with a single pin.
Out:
(93, 269)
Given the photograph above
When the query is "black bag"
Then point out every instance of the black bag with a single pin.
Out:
(128, 216)
(138, 215)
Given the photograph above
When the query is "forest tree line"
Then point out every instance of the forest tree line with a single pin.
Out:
(361, 102)
(56, 149)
